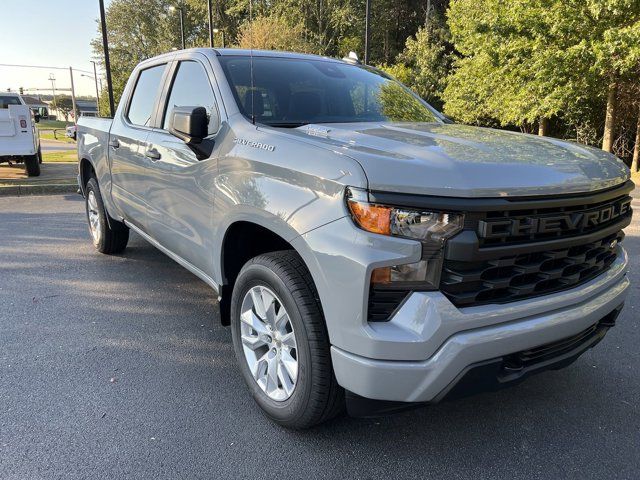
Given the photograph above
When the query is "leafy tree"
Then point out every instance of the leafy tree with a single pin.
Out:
(64, 104)
(530, 61)
(138, 29)
(400, 72)
(273, 33)
(429, 56)
(505, 71)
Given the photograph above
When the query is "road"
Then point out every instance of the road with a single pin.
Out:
(117, 367)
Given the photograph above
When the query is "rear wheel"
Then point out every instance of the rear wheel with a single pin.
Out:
(108, 235)
(32, 164)
(281, 342)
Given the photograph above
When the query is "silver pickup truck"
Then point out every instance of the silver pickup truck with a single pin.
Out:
(366, 251)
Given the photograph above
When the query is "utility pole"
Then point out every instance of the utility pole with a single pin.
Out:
(367, 18)
(210, 23)
(95, 77)
(52, 78)
(73, 98)
(107, 64)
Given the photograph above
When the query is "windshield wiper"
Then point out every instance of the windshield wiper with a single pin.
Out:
(287, 124)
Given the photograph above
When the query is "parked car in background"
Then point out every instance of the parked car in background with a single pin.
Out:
(364, 248)
(19, 137)
(71, 131)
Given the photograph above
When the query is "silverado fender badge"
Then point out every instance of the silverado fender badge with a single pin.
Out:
(249, 143)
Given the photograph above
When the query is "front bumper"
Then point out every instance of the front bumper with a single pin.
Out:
(428, 343)
(431, 379)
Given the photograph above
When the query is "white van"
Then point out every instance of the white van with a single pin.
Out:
(19, 138)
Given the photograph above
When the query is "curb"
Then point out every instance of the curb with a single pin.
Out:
(47, 189)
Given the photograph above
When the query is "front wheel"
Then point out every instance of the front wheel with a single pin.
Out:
(109, 236)
(281, 342)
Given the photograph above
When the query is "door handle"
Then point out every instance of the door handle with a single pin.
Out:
(114, 143)
(153, 154)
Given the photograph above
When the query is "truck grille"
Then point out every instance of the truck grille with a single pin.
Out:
(515, 277)
(478, 271)
(542, 213)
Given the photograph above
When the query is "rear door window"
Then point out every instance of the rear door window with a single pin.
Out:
(144, 95)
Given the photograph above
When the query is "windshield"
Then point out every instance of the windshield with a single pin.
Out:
(293, 92)
(6, 100)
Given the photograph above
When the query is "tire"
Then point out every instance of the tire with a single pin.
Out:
(39, 155)
(32, 165)
(316, 395)
(109, 235)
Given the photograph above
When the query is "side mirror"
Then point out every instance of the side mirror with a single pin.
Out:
(190, 124)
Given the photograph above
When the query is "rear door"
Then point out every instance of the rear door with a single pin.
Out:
(181, 197)
(127, 140)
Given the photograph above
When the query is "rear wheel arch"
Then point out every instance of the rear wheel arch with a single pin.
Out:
(86, 173)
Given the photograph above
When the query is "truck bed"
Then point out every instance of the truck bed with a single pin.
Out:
(93, 145)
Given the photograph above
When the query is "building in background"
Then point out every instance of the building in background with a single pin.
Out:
(37, 106)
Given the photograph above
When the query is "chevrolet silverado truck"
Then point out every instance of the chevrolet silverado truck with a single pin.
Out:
(19, 137)
(367, 252)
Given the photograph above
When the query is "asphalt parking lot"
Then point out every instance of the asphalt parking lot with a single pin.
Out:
(117, 367)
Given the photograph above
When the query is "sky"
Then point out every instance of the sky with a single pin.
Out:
(51, 33)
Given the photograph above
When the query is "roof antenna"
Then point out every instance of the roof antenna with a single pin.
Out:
(253, 114)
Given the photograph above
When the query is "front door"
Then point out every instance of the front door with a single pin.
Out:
(180, 199)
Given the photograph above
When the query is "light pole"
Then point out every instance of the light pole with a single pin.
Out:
(211, 29)
(173, 9)
(217, 30)
(73, 98)
(367, 18)
(95, 79)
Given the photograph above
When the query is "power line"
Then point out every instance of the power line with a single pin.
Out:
(42, 66)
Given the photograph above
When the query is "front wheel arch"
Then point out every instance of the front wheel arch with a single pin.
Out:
(243, 240)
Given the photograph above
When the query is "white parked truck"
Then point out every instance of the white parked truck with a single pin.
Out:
(19, 138)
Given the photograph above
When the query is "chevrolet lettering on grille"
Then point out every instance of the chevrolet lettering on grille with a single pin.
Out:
(516, 227)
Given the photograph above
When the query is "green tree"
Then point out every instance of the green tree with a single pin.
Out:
(429, 56)
(509, 70)
(137, 29)
(273, 33)
(64, 104)
(526, 62)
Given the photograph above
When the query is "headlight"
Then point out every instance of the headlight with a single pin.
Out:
(432, 228)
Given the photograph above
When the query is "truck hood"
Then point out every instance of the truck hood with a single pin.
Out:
(464, 161)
